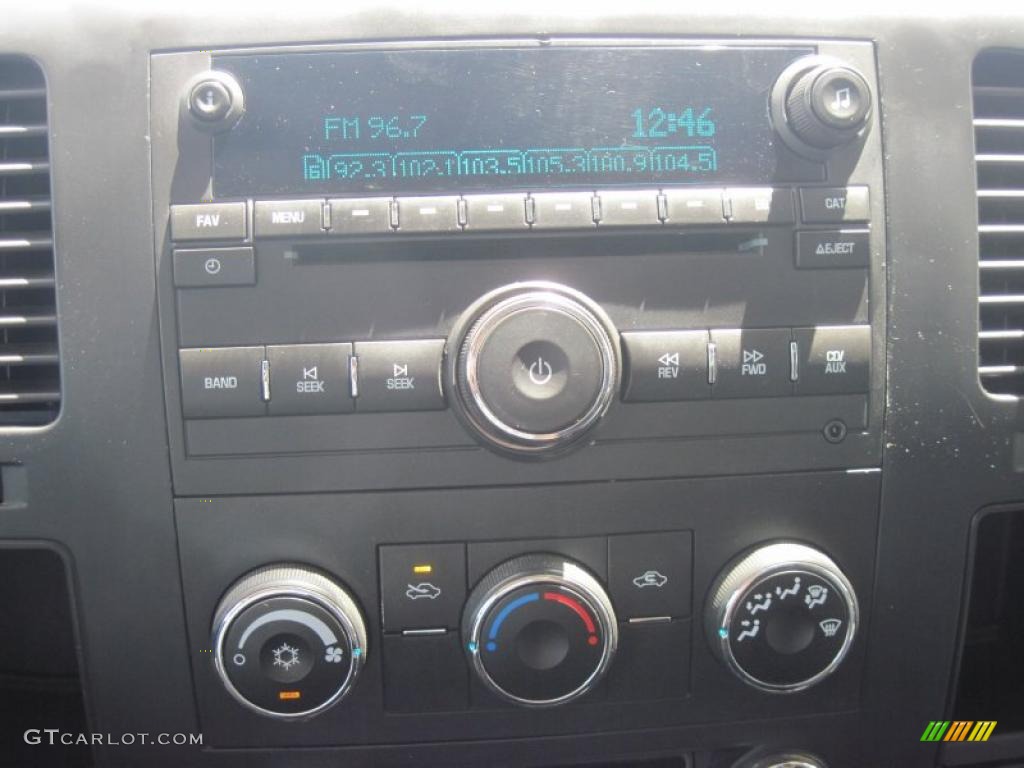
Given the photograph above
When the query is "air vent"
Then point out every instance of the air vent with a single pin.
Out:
(29, 363)
(999, 150)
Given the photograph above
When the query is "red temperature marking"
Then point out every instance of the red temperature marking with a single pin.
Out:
(575, 606)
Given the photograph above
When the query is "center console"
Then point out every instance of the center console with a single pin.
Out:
(505, 376)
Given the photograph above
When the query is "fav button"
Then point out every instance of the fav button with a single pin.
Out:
(666, 365)
(649, 574)
(752, 363)
(399, 375)
(208, 221)
(833, 360)
(423, 586)
(309, 378)
(221, 382)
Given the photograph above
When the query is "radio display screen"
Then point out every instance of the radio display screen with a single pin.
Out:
(365, 122)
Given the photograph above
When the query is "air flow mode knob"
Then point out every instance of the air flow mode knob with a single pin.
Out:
(782, 618)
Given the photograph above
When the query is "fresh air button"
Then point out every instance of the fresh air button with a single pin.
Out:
(649, 574)
(214, 267)
(622, 208)
(309, 378)
(833, 249)
(495, 212)
(288, 218)
(830, 205)
(694, 206)
(751, 363)
(833, 360)
(208, 221)
(399, 375)
(422, 586)
(219, 382)
(666, 365)
(759, 205)
(562, 210)
(360, 216)
(428, 214)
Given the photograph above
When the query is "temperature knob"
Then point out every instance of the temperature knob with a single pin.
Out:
(288, 642)
(782, 618)
(540, 631)
(537, 367)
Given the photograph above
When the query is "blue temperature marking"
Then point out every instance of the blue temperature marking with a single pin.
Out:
(503, 614)
(492, 646)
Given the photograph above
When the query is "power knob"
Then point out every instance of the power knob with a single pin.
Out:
(536, 367)
(782, 618)
(540, 631)
(289, 642)
(819, 104)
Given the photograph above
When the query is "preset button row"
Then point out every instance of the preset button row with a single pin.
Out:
(298, 379)
(520, 211)
(740, 363)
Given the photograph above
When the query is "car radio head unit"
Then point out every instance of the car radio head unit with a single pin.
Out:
(365, 122)
(578, 248)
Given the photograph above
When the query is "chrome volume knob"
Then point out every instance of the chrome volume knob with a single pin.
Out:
(536, 366)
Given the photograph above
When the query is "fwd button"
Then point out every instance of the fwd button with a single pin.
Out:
(751, 363)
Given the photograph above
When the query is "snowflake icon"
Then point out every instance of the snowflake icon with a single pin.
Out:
(286, 656)
(333, 655)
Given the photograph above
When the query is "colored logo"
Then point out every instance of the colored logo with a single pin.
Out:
(958, 730)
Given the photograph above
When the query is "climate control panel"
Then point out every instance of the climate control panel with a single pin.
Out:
(539, 629)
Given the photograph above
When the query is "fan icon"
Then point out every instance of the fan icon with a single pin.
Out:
(333, 655)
